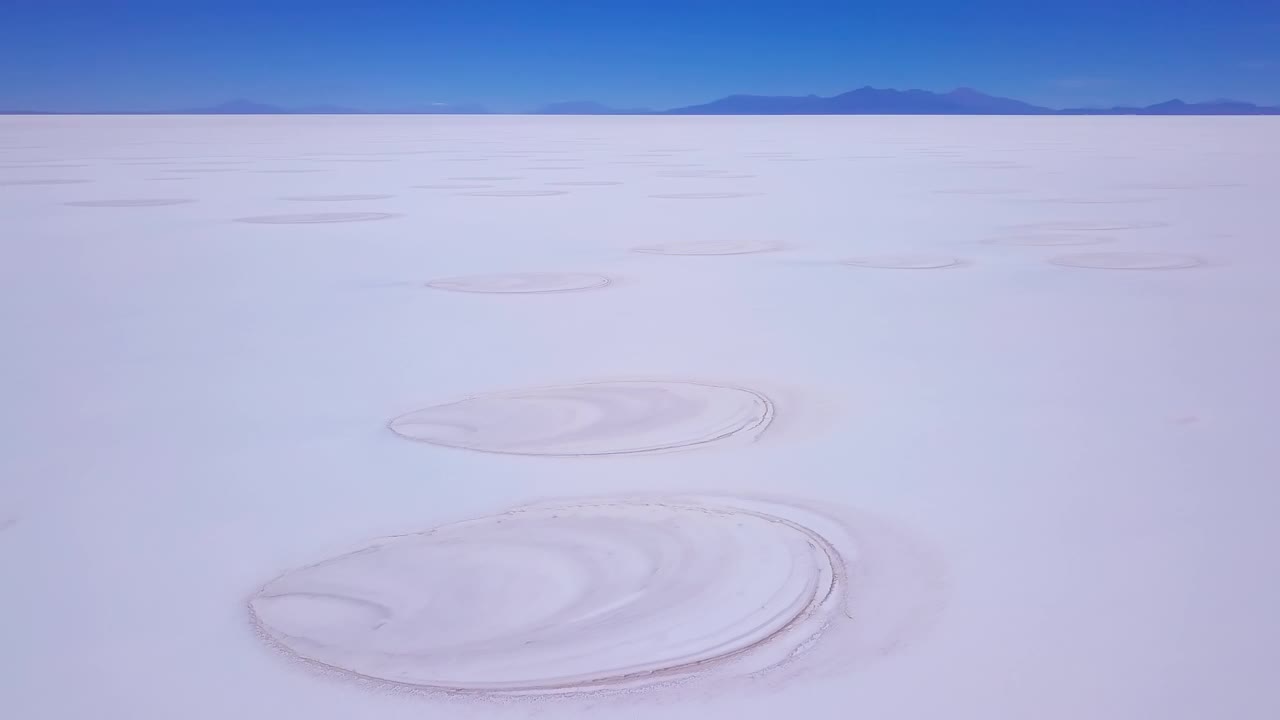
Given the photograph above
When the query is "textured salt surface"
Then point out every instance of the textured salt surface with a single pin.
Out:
(603, 418)
(521, 283)
(603, 594)
(196, 410)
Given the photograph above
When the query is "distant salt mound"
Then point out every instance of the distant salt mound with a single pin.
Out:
(1048, 239)
(313, 218)
(706, 174)
(905, 262)
(1128, 261)
(546, 282)
(1087, 226)
(453, 186)
(130, 202)
(603, 418)
(606, 594)
(335, 198)
(586, 183)
(516, 193)
(711, 247)
(45, 181)
(701, 195)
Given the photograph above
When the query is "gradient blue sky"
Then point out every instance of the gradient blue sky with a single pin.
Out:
(511, 55)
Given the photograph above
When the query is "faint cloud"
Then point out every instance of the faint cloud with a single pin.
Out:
(1256, 64)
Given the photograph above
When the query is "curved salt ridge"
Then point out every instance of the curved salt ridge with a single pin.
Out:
(905, 262)
(1128, 261)
(521, 283)
(606, 594)
(335, 198)
(711, 247)
(604, 418)
(313, 218)
(132, 202)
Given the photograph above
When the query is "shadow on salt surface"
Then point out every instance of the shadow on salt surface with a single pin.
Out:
(583, 597)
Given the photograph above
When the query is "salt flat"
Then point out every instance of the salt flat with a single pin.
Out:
(635, 417)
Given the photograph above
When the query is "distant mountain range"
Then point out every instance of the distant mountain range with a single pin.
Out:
(863, 101)
(963, 101)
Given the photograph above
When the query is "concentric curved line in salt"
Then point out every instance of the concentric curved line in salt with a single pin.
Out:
(1128, 261)
(600, 595)
(600, 418)
(586, 183)
(519, 283)
(1048, 240)
(515, 193)
(701, 195)
(336, 198)
(905, 262)
(314, 218)
(45, 181)
(485, 178)
(130, 202)
(711, 247)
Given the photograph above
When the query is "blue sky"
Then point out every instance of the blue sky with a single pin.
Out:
(67, 55)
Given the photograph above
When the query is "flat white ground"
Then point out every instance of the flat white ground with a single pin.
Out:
(197, 405)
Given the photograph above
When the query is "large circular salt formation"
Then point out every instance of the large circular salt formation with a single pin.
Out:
(547, 282)
(604, 418)
(1128, 261)
(605, 594)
